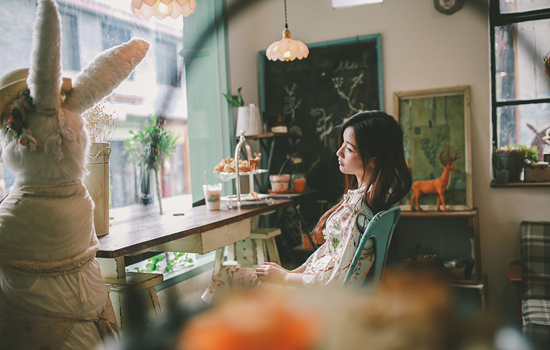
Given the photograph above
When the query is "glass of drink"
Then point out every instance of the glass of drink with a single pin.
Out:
(212, 194)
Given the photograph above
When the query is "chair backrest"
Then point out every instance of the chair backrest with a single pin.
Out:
(535, 249)
(380, 229)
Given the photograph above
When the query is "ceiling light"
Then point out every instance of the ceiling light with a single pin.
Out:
(287, 49)
(163, 8)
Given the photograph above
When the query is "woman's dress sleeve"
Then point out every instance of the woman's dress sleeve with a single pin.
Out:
(331, 262)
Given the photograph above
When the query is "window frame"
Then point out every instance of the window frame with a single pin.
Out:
(497, 19)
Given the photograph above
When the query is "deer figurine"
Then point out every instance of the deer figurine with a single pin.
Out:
(437, 186)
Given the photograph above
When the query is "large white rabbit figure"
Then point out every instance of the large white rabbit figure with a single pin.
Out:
(52, 295)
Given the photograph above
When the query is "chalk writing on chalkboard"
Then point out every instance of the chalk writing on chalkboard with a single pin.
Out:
(314, 95)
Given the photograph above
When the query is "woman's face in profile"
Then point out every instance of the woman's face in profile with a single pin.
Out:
(349, 159)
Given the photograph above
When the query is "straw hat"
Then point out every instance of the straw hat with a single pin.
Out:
(12, 84)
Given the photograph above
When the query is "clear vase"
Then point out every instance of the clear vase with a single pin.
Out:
(97, 183)
(146, 194)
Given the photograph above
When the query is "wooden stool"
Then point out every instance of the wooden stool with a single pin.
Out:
(142, 283)
(251, 252)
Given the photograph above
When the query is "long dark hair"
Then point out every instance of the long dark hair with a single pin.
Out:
(378, 136)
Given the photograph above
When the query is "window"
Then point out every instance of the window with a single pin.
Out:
(70, 55)
(167, 63)
(115, 33)
(520, 90)
(88, 28)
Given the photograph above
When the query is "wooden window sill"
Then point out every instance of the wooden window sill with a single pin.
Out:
(521, 184)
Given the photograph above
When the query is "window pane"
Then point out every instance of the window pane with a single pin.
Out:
(89, 27)
(114, 33)
(70, 55)
(167, 63)
(519, 52)
(509, 6)
(525, 125)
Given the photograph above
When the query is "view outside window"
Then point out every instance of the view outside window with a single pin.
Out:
(511, 6)
(70, 50)
(521, 108)
(166, 63)
(155, 87)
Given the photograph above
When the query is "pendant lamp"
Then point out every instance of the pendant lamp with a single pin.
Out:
(287, 49)
(162, 8)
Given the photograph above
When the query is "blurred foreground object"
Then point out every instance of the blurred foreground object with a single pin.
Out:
(262, 318)
(409, 311)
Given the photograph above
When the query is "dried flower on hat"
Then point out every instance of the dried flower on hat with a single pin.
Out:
(15, 124)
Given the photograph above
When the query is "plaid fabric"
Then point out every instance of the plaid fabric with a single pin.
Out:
(535, 256)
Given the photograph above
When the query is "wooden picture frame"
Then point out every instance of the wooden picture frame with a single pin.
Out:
(314, 95)
(435, 121)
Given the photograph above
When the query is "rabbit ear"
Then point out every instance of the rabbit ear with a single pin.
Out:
(104, 74)
(44, 80)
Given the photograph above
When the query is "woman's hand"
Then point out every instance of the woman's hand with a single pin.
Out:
(272, 273)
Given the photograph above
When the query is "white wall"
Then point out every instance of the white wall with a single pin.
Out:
(421, 49)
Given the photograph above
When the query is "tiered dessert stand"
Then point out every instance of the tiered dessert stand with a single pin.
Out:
(240, 199)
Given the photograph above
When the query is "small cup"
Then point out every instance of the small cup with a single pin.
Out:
(299, 182)
(212, 194)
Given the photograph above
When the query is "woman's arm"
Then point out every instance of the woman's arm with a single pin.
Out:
(273, 273)
(300, 269)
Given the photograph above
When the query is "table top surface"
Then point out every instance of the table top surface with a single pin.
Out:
(132, 237)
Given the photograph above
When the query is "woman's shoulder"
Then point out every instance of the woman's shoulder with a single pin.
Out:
(354, 196)
(356, 200)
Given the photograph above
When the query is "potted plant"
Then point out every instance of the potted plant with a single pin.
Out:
(101, 126)
(509, 161)
(148, 148)
(248, 117)
(235, 100)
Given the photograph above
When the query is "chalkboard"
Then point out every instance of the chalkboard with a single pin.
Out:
(315, 94)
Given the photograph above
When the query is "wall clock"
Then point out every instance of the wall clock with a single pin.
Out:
(448, 7)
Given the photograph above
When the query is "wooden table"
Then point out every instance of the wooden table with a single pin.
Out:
(197, 231)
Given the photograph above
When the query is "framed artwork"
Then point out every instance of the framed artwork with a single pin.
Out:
(436, 126)
(313, 95)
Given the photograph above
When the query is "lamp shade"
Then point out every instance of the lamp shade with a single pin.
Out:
(163, 8)
(287, 49)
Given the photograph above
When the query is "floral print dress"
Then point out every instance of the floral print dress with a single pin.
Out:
(329, 263)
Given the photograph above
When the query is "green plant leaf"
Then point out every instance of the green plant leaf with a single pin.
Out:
(235, 100)
(151, 145)
(240, 97)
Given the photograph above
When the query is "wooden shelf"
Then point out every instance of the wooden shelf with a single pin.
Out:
(480, 287)
(435, 213)
(521, 184)
(451, 235)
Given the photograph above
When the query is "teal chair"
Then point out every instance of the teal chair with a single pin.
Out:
(380, 229)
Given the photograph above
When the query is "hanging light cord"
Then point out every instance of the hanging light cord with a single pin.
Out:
(286, 22)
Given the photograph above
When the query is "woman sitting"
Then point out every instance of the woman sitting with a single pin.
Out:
(372, 158)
